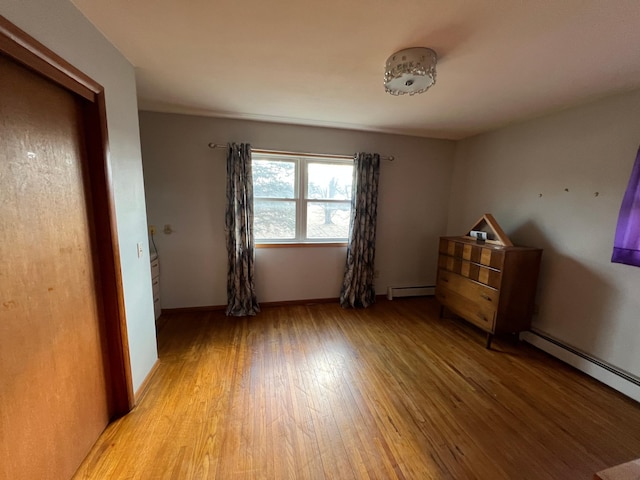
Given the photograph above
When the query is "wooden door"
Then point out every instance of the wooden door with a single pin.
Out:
(53, 374)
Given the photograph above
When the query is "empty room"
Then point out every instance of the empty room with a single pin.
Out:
(333, 240)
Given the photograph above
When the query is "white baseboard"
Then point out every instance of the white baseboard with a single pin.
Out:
(417, 291)
(615, 378)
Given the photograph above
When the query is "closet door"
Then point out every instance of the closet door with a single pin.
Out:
(53, 374)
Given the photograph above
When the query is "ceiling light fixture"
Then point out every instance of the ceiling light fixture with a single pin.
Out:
(412, 70)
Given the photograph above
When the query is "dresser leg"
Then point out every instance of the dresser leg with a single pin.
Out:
(489, 339)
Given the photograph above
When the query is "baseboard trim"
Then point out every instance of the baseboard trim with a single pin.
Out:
(282, 303)
(214, 308)
(142, 390)
(618, 379)
(206, 308)
(308, 301)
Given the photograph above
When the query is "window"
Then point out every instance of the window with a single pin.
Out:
(301, 199)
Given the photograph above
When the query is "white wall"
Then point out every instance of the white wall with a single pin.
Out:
(185, 186)
(63, 29)
(585, 301)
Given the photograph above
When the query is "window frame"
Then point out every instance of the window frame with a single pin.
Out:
(301, 199)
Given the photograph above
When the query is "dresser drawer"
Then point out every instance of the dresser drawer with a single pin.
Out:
(448, 247)
(480, 314)
(482, 255)
(155, 268)
(157, 310)
(468, 288)
(474, 271)
(156, 288)
(452, 264)
(492, 258)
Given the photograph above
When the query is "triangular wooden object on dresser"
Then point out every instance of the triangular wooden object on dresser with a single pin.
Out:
(488, 222)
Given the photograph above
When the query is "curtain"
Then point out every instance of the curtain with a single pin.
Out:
(626, 246)
(357, 286)
(241, 296)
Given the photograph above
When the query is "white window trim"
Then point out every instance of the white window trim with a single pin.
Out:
(302, 199)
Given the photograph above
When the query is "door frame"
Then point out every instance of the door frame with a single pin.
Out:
(19, 46)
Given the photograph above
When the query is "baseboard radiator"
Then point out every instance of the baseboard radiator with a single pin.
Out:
(610, 375)
(415, 291)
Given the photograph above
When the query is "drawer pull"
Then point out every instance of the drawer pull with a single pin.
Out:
(486, 297)
(482, 317)
(445, 280)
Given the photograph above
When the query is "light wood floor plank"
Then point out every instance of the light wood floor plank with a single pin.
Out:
(389, 392)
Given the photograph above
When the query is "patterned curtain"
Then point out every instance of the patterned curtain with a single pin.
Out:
(626, 246)
(357, 286)
(241, 296)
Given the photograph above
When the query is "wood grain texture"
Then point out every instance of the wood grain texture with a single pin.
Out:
(390, 392)
(17, 45)
(64, 356)
(53, 377)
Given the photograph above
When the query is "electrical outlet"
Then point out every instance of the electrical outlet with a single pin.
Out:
(152, 229)
(140, 249)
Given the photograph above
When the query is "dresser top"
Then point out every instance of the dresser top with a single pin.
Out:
(487, 244)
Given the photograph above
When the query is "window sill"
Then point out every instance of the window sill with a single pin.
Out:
(301, 245)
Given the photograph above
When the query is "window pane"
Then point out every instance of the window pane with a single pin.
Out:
(329, 181)
(274, 178)
(328, 220)
(274, 220)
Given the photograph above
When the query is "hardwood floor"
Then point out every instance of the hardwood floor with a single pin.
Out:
(390, 392)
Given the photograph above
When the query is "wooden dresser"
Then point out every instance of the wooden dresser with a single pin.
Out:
(491, 285)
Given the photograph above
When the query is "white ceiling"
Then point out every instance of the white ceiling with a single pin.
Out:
(321, 62)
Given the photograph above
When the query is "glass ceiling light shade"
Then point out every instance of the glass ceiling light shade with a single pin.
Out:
(412, 70)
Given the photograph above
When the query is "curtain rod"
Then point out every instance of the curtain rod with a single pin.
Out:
(389, 158)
